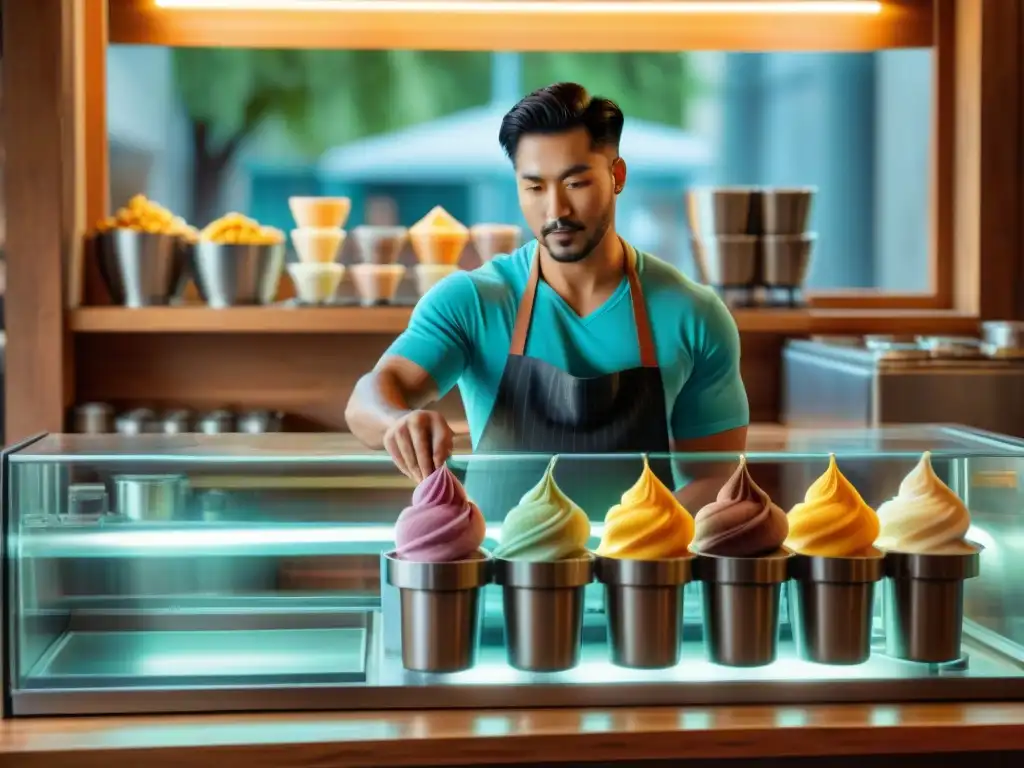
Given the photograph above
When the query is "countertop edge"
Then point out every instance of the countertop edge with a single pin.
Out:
(455, 737)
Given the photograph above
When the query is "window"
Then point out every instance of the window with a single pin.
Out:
(401, 131)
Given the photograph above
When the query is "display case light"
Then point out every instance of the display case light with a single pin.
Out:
(540, 7)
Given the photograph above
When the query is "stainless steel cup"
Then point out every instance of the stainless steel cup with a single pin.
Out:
(712, 211)
(543, 605)
(831, 602)
(785, 211)
(726, 261)
(440, 609)
(923, 604)
(644, 609)
(741, 607)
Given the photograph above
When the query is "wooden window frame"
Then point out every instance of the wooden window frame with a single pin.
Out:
(902, 23)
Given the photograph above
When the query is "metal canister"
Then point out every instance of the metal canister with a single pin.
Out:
(216, 422)
(137, 421)
(93, 419)
(258, 421)
(176, 422)
(150, 497)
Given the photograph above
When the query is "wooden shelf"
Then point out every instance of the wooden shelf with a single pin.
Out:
(333, 320)
(392, 320)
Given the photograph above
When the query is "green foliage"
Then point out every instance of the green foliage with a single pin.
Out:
(648, 86)
(326, 98)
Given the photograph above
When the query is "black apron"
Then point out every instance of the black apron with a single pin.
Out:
(541, 410)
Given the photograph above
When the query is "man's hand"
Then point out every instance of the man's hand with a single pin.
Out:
(419, 442)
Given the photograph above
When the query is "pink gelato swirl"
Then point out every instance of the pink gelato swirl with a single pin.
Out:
(442, 524)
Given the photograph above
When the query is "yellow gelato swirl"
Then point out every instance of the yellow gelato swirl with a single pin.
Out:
(833, 520)
(925, 517)
(648, 524)
(545, 526)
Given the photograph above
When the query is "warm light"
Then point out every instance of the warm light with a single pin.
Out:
(538, 7)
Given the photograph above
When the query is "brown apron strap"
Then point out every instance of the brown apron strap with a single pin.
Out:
(644, 337)
(525, 313)
(645, 340)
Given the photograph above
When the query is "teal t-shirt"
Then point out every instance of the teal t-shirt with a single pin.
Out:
(461, 330)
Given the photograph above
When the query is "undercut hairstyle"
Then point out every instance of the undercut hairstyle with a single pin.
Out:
(560, 108)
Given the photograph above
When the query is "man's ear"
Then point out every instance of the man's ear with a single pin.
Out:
(619, 174)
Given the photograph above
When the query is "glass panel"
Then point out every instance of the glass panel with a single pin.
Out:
(253, 564)
(402, 131)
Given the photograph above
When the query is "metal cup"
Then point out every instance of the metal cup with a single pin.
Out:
(785, 211)
(741, 607)
(923, 605)
(440, 609)
(831, 602)
(543, 605)
(644, 609)
(232, 275)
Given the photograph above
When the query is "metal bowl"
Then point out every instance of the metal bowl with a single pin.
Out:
(230, 275)
(786, 259)
(142, 269)
(785, 211)
(714, 211)
(726, 261)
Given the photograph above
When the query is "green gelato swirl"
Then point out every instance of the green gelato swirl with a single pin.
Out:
(545, 526)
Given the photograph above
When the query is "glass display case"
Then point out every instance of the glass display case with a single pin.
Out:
(174, 573)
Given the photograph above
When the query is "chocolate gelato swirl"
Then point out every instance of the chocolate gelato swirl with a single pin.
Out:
(742, 522)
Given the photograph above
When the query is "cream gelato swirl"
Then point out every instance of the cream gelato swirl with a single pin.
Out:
(925, 516)
(742, 522)
(545, 526)
(832, 520)
(648, 524)
(441, 524)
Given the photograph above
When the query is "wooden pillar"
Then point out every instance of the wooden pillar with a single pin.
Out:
(988, 194)
(45, 205)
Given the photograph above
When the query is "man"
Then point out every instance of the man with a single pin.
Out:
(573, 344)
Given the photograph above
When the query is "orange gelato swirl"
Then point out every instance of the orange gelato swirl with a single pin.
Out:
(649, 523)
(833, 520)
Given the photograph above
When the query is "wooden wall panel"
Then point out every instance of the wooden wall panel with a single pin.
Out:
(310, 377)
(43, 176)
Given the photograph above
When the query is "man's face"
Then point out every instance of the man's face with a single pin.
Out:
(567, 191)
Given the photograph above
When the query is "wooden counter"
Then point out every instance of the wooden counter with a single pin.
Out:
(514, 736)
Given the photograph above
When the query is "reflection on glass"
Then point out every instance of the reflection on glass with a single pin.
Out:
(402, 131)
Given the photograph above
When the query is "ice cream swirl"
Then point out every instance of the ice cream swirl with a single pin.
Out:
(546, 525)
(925, 516)
(742, 522)
(832, 520)
(441, 524)
(648, 524)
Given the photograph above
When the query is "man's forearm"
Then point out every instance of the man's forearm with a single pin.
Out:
(376, 403)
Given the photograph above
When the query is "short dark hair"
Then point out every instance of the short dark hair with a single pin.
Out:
(560, 108)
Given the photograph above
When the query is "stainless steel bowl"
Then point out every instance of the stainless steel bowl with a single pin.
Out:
(235, 275)
(176, 422)
(726, 260)
(379, 244)
(786, 259)
(141, 269)
(785, 211)
(720, 211)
